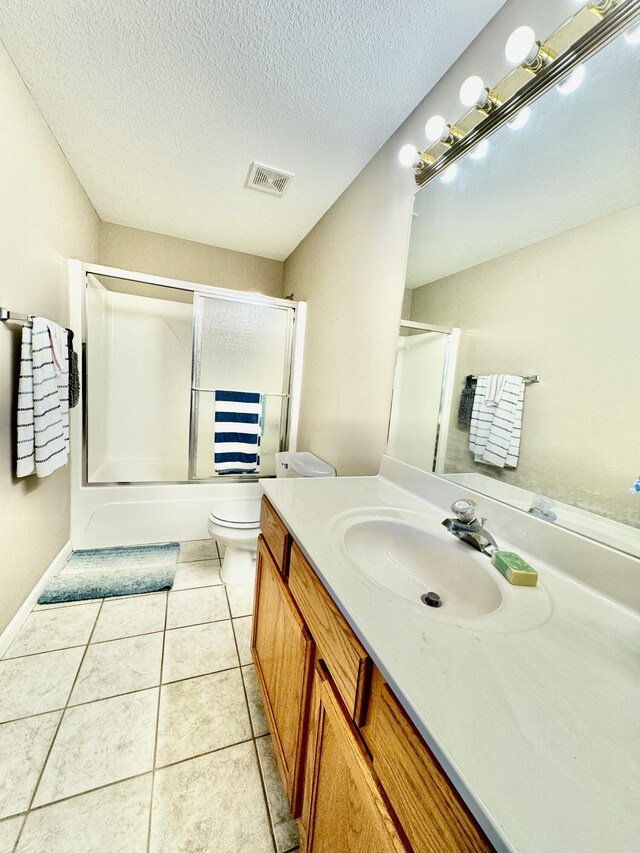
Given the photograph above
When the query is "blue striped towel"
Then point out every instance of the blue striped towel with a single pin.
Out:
(43, 401)
(238, 429)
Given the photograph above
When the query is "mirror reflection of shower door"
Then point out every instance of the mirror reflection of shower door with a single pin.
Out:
(239, 345)
(422, 389)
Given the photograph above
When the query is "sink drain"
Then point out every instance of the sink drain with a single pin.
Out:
(431, 599)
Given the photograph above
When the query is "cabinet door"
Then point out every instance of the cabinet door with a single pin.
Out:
(283, 654)
(432, 813)
(345, 808)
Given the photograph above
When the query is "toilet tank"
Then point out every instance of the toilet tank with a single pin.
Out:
(302, 464)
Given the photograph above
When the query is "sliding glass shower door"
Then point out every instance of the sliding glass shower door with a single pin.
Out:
(239, 345)
(154, 355)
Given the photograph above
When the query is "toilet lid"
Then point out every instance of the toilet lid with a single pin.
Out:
(243, 514)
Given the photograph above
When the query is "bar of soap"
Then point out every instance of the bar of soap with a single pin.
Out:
(516, 570)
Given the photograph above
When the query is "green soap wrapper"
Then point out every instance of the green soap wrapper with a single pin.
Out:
(516, 570)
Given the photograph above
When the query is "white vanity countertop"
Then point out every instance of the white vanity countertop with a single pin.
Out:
(538, 729)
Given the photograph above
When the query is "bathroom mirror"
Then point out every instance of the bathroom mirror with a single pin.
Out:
(532, 253)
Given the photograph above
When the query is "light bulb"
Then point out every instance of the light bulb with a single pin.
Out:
(522, 47)
(436, 129)
(520, 119)
(449, 174)
(473, 92)
(572, 80)
(480, 150)
(408, 155)
(632, 35)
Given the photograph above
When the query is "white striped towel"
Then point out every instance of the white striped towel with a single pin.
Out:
(237, 432)
(59, 344)
(496, 420)
(43, 404)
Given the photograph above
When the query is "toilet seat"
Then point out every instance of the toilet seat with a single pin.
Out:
(243, 514)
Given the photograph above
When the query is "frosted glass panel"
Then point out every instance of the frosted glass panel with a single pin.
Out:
(243, 346)
(240, 346)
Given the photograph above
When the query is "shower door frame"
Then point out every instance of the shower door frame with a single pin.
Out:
(78, 272)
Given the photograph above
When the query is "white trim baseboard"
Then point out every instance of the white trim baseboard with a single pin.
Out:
(9, 633)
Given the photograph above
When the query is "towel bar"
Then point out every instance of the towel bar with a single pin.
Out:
(213, 390)
(528, 380)
(14, 317)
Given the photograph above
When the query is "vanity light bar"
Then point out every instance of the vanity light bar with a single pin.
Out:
(545, 65)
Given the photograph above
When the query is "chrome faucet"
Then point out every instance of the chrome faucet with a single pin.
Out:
(466, 527)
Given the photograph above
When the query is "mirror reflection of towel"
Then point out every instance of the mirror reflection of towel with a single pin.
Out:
(466, 402)
(74, 374)
(59, 344)
(496, 423)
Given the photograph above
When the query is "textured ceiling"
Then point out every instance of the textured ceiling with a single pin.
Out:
(161, 105)
(577, 160)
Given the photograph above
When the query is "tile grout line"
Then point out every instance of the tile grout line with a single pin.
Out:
(201, 559)
(253, 739)
(88, 791)
(263, 784)
(130, 636)
(23, 815)
(55, 735)
(60, 605)
(125, 693)
(128, 779)
(203, 754)
(155, 741)
(6, 657)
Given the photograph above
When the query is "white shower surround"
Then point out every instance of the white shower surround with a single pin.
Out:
(110, 515)
(138, 407)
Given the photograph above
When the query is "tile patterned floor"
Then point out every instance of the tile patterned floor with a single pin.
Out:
(135, 725)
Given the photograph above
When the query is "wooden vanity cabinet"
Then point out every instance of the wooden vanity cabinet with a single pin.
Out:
(358, 774)
(345, 807)
(282, 651)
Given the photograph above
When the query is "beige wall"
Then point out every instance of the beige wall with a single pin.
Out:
(354, 301)
(566, 308)
(45, 218)
(157, 254)
(350, 268)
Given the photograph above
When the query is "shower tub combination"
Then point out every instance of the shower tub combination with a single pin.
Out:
(154, 351)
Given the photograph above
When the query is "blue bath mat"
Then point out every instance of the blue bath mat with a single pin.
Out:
(105, 572)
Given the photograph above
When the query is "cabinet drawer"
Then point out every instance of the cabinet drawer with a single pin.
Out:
(344, 655)
(276, 535)
(430, 810)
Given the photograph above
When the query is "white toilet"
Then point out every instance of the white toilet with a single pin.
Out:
(236, 523)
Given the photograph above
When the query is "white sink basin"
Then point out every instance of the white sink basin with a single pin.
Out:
(412, 559)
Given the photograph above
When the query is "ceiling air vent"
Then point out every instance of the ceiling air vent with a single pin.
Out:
(268, 180)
